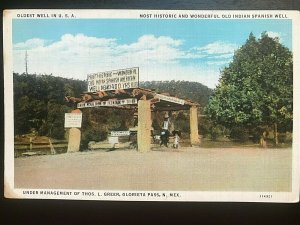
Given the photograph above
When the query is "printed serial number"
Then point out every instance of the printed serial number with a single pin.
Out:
(265, 196)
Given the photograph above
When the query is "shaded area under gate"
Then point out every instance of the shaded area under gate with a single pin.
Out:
(144, 101)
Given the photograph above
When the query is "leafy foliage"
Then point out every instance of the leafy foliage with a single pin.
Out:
(39, 103)
(256, 89)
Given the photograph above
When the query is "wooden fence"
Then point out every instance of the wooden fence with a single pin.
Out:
(40, 148)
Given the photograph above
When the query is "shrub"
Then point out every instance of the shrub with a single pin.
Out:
(216, 132)
(58, 131)
(286, 137)
(256, 134)
(205, 126)
(239, 133)
(92, 134)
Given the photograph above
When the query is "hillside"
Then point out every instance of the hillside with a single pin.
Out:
(194, 91)
(39, 104)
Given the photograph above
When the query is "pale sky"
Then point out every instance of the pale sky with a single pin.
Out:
(193, 50)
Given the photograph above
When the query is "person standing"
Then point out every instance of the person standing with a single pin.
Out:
(167, 128)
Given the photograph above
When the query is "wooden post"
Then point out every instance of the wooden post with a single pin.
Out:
(74, 137)
(263, 139)
(194, 136)
(52, 150)
(30, 143)
(144, 126)
(276, 134)
(74, 140)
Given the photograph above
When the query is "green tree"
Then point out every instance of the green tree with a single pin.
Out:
(39, 103)
(256, 89)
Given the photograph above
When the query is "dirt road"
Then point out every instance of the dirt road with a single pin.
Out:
(196, 169)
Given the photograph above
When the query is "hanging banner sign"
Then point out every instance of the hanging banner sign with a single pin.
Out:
(115, 102)
(119, 133)
(113, 80)
(73, 120)
(170, 99)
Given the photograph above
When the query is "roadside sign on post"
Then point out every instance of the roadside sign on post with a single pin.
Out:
(113, 140)
(120, 133)
(73, 120)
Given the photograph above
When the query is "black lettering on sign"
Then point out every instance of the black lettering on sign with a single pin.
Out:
(265, 196)
(92, 89)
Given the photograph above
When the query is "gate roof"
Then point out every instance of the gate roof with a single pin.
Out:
(159, 101)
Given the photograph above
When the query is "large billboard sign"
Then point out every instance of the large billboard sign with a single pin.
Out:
(113, 80)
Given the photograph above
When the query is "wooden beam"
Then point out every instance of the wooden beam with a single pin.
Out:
(171, 108)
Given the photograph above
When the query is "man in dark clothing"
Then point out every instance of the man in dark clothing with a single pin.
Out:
(165, 133)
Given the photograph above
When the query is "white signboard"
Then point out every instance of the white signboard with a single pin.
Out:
(166, 125)
(115, 102)
(113, 140)
(170, 99)
(73, 120)
(120, 133)
(113, 80)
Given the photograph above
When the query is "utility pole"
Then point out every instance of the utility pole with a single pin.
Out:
(26, 63)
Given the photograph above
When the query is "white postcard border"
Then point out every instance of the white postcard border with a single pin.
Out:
(11, 192)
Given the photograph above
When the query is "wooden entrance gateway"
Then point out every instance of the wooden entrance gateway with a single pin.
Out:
(144, 101)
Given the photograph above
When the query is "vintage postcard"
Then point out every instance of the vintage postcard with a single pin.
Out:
(152, 105)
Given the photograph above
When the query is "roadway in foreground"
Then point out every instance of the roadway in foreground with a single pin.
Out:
(184, 169)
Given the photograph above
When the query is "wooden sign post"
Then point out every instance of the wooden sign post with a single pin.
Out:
(73, 121)
(194, 136)
(144, 126)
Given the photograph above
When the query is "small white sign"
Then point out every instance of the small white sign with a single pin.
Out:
(73, 120)
(166, 125)
(119, 133)
(113, 140)
(170, 99)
